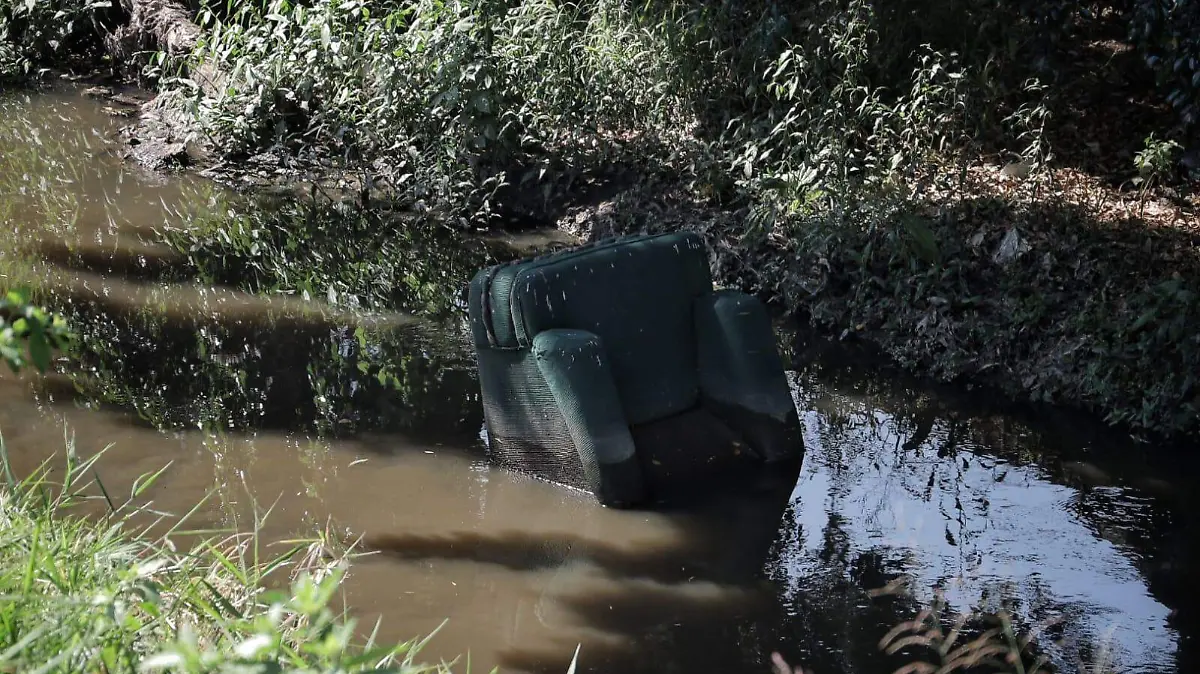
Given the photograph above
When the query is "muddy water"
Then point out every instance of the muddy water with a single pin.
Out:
(369, 424)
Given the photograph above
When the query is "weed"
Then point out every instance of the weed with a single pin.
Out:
(468, 107)
(447, 101)
(1155, 164)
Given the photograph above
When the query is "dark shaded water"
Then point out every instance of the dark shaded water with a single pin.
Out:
(369, 422)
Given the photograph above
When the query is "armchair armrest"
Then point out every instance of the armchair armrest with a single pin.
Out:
(576, 368)
(741, 373)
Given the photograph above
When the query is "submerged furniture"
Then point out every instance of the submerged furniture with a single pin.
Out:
(606, 366)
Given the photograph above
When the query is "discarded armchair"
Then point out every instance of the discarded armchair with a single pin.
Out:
(585, 355)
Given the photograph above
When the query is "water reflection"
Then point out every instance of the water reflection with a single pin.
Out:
(366, 422)
(293, 375)
(994, 512)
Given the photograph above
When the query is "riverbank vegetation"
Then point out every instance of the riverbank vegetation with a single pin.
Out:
(86, 584)
(1002, 193)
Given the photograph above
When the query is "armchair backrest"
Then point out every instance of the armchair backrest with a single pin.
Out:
(636, 293)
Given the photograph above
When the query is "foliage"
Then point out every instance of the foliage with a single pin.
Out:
(1155, 164)
(1157, 160)
(28, 334)
(39, 33)
(459, 99)
(1168, 34)
(96, 594)
(821, 125)
(455, 97)
(852, 94)
(12, 65)
(1095, 315)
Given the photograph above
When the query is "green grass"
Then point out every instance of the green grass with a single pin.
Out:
(87, 592)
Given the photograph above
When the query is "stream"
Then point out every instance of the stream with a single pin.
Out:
(355, 409)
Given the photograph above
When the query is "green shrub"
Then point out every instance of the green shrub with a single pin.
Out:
(38, 33)
(12, 65)
(453, 98)
(1167, 32)
(452, 101)
(1088, 316)
(28, 334)
(1155, 164)
(842, 98)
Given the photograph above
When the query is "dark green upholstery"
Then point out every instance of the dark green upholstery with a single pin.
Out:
(577, 348)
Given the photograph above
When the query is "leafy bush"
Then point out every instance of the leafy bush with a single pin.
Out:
(12, 65)
(459, 105)
(36, 33)
(1155, 163)
(838, 99)
(1156, 159)
(1168, 34)
(454, 97)
(1091, 316)
(832, 128)
(28, 334)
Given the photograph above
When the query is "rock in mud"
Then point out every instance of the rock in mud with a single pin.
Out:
(1012, 247)
(127, 100)
(161, 138)
(158, 154)
(119, 112)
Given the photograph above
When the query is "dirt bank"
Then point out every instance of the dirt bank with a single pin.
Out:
(1055, 289)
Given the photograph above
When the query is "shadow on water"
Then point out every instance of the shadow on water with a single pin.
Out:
(731, 623)
(184, 325)
(724, 541)
(263, 354)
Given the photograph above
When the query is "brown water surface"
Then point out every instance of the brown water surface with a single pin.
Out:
(270, 400)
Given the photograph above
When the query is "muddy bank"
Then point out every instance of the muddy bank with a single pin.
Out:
(1045, 299)
(1042, 300)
